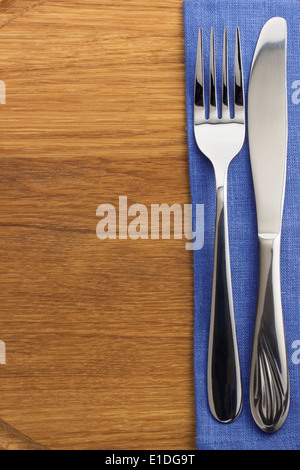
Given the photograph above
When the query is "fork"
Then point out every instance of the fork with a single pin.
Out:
(220, 139)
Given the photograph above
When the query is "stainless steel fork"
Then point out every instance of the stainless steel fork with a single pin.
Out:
(220, 139)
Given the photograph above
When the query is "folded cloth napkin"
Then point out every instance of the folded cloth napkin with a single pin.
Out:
(250, 16)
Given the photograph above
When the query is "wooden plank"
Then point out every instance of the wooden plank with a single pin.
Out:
(98, 333)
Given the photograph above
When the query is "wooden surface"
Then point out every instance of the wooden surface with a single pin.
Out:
(98, 333)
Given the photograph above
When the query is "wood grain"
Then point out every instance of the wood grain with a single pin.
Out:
(11, 439)
(99, 334)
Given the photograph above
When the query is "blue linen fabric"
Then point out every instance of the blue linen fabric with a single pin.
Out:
(249, 16)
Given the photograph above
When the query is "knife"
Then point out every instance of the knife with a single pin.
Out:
(267, 129)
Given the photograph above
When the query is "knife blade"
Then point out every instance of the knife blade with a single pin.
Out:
(267, 130)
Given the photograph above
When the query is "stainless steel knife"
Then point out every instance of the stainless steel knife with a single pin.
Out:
(267, 129)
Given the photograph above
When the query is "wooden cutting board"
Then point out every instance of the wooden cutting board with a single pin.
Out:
(98, 333)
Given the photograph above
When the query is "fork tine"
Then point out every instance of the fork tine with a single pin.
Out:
(213, 113)
(238, 80)
(225, 107)
(199, 82)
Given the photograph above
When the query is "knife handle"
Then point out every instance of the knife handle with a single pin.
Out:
(223, 374)
(269, 376)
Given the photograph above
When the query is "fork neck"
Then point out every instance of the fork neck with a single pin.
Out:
(221, 199)
(221, 178)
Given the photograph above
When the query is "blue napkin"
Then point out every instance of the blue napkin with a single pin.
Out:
(250, 16)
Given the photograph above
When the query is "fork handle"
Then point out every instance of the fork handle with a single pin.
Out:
(269, 377)
(223, 375)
